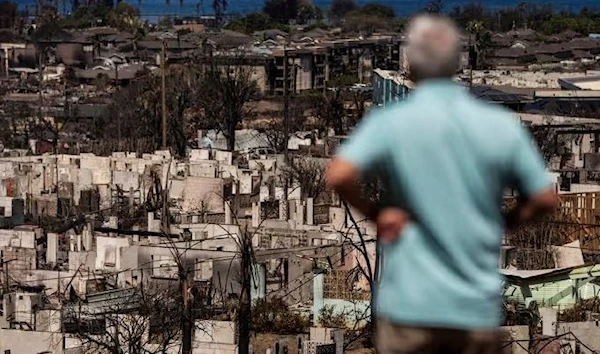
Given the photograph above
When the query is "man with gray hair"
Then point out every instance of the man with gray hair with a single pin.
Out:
(445, 159)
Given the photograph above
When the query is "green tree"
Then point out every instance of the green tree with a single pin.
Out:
(537, 15)
(469, 12)
(82, 17)
(282, 11)
(49, 25)
(435, 6)
(256, 21)
(307, 12)
(330, 319)
(165, 22)
(124, 17)
(481, 41)
(377, 9)
(274, 316)
(339, 8)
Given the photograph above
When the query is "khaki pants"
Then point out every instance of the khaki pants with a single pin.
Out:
(396, 339)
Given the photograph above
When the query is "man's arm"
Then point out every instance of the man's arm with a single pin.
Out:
(344, 178)
(527, 209)
(528, 173)
(366, 148)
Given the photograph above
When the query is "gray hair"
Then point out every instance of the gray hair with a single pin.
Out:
(433, 47)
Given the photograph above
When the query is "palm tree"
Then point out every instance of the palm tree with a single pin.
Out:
(219, 6)
(482, 41)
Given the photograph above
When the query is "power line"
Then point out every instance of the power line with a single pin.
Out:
(315, 275)
(234, 255)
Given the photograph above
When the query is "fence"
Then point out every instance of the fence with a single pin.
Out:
(579, 216)
(339, 284)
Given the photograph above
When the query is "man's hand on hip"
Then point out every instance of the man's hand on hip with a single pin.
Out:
(390, 223)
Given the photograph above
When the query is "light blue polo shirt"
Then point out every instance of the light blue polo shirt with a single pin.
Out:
(447, 158)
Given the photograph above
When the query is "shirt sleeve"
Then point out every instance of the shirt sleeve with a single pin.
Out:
(366, 145)
(529, 174)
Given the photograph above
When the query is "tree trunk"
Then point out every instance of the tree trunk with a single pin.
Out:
(231, 137)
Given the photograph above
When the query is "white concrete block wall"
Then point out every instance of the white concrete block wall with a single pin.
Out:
(262, 164)
(85, 178)
(222, 332)
(107, 252)
(586, 332)
(82, 260)
(228, 171)
(6, 203)
(199, 155)
(6, 170)
(208, 169)
(517, 333)
(100, 167)
(224, 156)
(294, 193)
(200, 191)
(264, 193)
(27, 238)
(52, 248)
(21, 341)
(126, 180)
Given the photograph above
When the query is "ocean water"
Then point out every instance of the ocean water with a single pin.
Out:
(157, 8)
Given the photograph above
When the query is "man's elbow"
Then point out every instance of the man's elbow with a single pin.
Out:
(547, 201)
(339, 174)
(551, 201)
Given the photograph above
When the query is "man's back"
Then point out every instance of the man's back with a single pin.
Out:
(447, 158)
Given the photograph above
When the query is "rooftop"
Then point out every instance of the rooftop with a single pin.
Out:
(495, 95)
(125, 72)
(580, 83)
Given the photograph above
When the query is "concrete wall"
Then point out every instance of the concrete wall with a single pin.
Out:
(202, 192)
(17, 238)
(30, 342)
(48, 321)
(214, 348)
(587, 332)
(108, 252)
(206, 169)
(217, 337)
(52, 280)
(518, 334)
(18, 307)
(216, 332)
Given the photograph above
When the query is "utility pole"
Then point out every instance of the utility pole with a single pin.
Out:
(5, 269)
(286, 103)
(41, 80)
(245, 310)
(119, 121)
(286, 132)
(116, 74)
(186, 319)
(164, 94)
